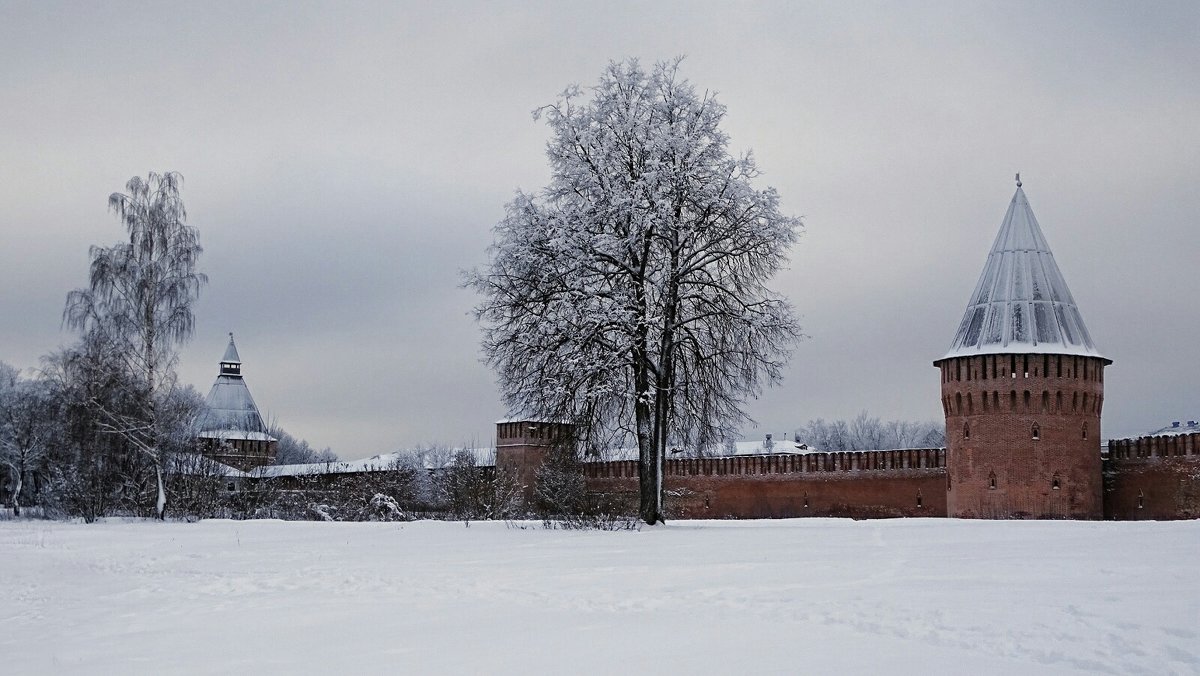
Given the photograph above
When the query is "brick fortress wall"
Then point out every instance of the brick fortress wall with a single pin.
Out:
(243, 454)
(1153, 478)
(858, 484)
(1023, 436)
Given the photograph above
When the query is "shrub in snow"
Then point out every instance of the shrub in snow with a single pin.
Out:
(563, 501)
(319, 512)
(383, 508)
(468, 491)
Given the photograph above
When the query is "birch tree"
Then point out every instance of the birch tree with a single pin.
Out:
(629, 295)
(139, 300)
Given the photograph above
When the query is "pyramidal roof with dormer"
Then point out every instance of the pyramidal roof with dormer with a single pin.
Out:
(1022, 304)
(229, 410)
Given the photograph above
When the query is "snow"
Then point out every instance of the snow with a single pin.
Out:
(375, 463)
(780, 447)
(227, 435)
(1175, 429)
(798, 596)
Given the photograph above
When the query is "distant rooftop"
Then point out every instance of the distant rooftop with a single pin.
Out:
(1176, 427)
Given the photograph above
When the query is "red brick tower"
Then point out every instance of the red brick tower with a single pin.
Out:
(522, 446)
(1023, 388)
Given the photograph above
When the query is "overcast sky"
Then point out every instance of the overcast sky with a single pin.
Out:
(343, 161)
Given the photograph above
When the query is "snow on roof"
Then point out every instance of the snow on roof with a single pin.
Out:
(229, 406)
(781, 447)
(375, 463)
(1021, 303)
(1175, 429)
(236, 434)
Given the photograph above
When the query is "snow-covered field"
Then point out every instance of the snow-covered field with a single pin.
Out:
(800, 596)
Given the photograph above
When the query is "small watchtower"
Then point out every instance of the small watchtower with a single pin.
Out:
(231, 430)
(1023, 388)
(523, 444)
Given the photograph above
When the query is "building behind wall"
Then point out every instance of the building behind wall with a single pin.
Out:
(231, 430)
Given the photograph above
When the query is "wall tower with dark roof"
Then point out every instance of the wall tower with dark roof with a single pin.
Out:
(230, 429)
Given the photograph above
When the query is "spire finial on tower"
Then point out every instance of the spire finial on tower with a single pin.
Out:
(1018, 185)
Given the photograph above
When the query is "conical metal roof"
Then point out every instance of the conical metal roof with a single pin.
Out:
(231, 353)
(229, 407)
(1021, 303)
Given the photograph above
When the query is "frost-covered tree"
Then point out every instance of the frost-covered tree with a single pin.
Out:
(87, 468)
(139, 302)
(292, 451)
(469, 491)
(28, 427)
(868, 433)
(629, 295)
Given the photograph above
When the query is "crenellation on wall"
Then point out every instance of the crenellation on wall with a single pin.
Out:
(1152, 478)
(1021, 434)
(781, 463)
(1161, 446)
(858, 484)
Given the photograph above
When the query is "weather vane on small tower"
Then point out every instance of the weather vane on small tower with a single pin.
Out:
(1018, 179)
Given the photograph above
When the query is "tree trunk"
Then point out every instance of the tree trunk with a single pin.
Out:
(649, 454)
(18, 483)
(160, 508)
(649, 465)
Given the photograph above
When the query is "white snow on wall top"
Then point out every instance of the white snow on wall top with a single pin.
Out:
(484, 457)
(1021, 303)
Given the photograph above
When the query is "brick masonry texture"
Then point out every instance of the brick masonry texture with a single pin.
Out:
(1153, 478)
(1023, 436)
(858, 484)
